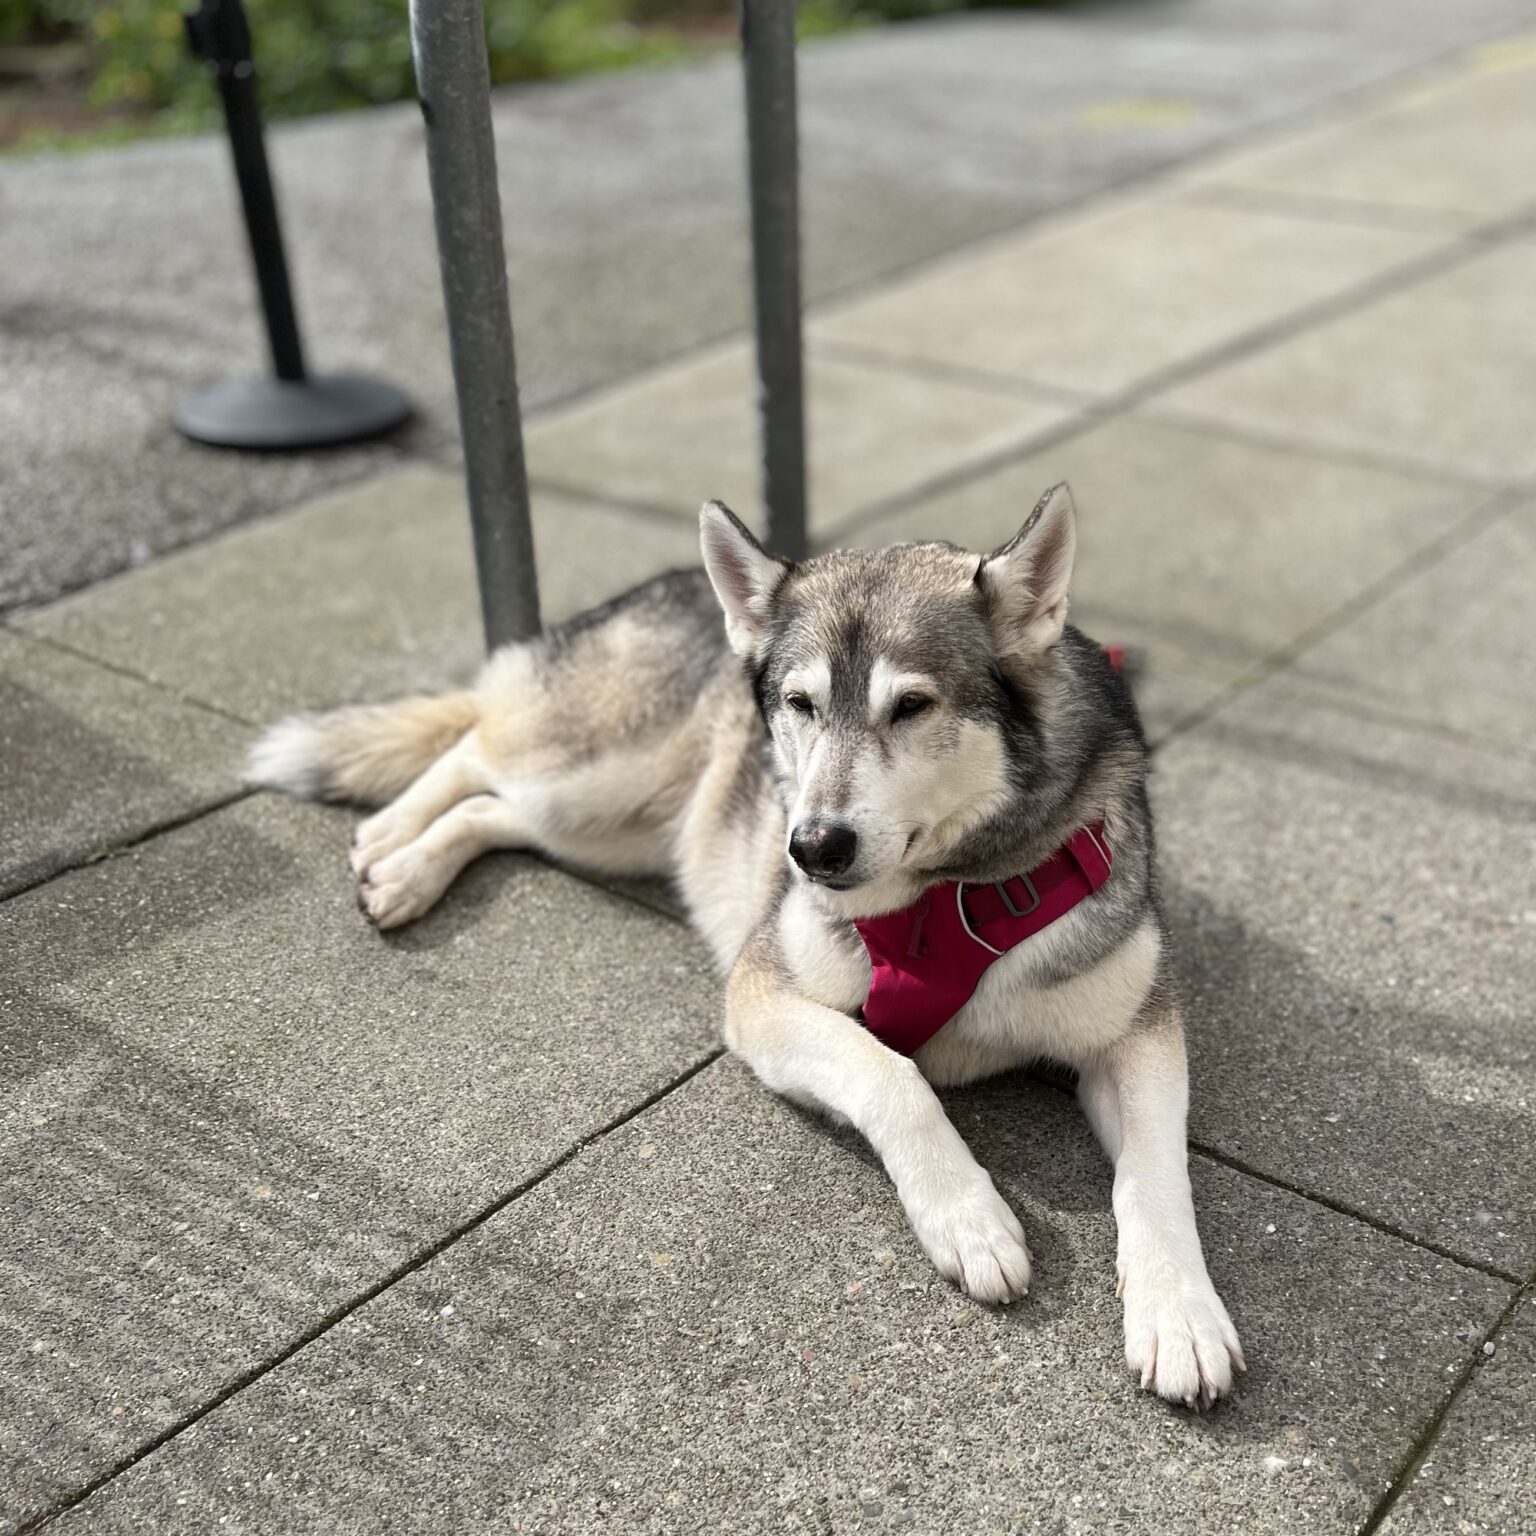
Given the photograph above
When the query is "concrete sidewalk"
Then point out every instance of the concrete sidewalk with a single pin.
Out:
(475, 1229)
(125, 287)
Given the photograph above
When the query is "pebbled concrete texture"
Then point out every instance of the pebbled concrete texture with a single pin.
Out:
(716, 1319)
(624, 204)
(90, 759)
(94, 478)
(363, 594)
(1478, 1474)
(231, 1107)
(1351, 905)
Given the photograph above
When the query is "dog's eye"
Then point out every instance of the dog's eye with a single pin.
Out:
(800, 703)
(910, 704)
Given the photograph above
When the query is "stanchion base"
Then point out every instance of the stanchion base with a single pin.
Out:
(275, 414)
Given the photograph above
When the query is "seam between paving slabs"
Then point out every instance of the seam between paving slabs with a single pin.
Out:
(1162, 414)
(1354, 1212)
(116, 850)
(399, 456)
(1108, 408)
(1323, 208)
(1457, 252)
(340, 1314)
(118, 669)
(1485, 515)
(1424, 1442)
(1259, 1175)
(1377, 714)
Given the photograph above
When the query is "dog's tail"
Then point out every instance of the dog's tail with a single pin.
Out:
(367, 754)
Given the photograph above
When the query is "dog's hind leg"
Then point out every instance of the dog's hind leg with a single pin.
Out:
(459, 773)
(613, 814)
(1178, 1337)
(408, 882)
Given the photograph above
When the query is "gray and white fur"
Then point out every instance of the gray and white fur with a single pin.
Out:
(861, 726)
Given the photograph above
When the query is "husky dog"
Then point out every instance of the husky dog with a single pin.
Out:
(863, 728)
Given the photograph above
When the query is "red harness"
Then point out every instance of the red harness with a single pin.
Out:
(928, 959)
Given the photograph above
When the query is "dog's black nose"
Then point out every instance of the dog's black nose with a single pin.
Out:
(822, 847)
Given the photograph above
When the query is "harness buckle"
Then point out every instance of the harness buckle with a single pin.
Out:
(1010, 906)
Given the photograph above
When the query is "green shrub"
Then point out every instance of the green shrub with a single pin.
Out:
(320, 55)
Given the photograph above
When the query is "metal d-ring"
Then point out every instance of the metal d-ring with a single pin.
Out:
(1001, 887)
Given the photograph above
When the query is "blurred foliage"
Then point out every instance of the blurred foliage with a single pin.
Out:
(323, 55)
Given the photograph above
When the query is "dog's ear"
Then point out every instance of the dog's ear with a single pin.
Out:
(743, 574)
(1026, 581)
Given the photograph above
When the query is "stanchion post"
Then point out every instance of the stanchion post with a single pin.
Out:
(291, 409)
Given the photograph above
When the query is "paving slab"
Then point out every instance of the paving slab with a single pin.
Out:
(676, 438)
(1435, 375)
(1107, 299)
(1353, 910)
(1203, 552)
(715, 1319)
(364, 594)
(230, 1106)
(90, 759)
(1478, 1475)
(1425, 153)
(1441, 648)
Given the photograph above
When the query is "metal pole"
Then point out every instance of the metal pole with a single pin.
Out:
(453, 79)
(768, 59)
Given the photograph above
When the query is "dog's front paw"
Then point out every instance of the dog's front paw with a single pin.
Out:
(399, 889)
(376, 839)
(1179, 1339)
(972, 1236)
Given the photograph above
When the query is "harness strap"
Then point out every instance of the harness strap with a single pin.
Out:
(927, 960)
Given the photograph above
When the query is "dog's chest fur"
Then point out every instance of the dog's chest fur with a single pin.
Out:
(1022, 1010)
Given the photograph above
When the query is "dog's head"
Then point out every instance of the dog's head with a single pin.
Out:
(890, 682)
